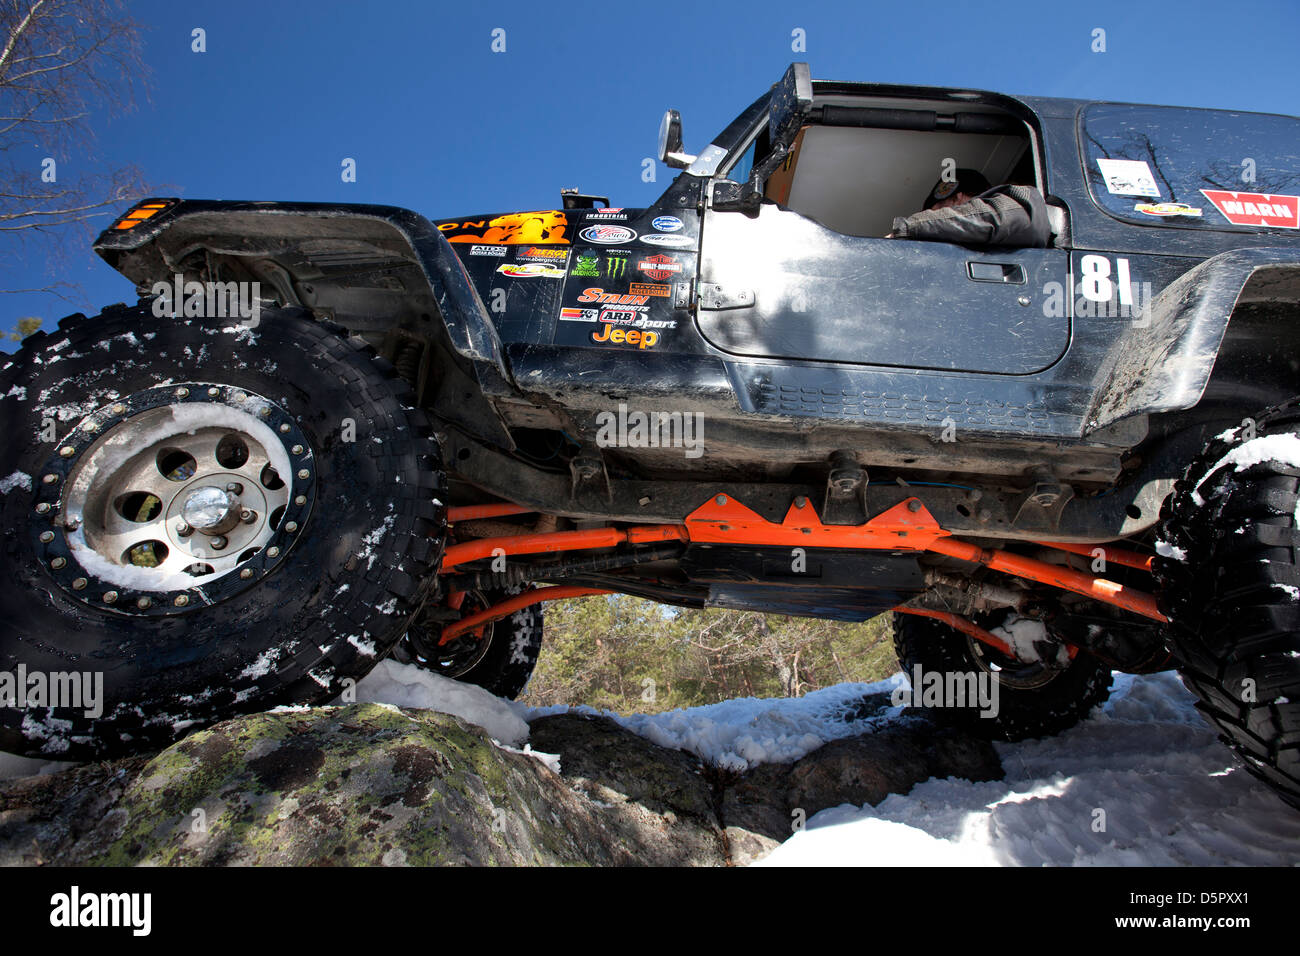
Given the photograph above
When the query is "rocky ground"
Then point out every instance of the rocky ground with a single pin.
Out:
(372, 784)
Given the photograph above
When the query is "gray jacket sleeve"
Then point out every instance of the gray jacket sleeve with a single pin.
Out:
(1003, 216)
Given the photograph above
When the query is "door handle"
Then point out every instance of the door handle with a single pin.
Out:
(1008, 272)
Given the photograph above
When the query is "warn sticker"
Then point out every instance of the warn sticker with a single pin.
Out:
(1256, 209)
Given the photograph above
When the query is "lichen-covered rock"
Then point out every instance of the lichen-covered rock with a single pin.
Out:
(369, 784)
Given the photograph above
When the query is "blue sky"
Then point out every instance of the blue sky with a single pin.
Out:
(440, 123)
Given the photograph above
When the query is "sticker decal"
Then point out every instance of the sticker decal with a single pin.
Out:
(487, 250)
(528, 270)
(663, 239)
(659, 267)
(598, 294)
(543, 253)
(667, 223)
(649, 288)
(607, 235)
(1256, 209)
(613, 334)
(1166, 209)
(611, 212)
(1128, 177)
(514, 229)
(579, 315)
(615, 267)
(587, 266)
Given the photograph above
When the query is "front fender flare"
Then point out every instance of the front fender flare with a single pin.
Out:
(152, 251)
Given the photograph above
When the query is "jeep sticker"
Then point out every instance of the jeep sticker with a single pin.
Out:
(616, 336)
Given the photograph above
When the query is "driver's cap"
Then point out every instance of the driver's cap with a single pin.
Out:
(969, 181)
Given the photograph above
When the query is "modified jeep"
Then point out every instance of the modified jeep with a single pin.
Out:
(332, 433)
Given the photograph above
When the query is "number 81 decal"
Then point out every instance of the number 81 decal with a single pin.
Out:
(1096, 285)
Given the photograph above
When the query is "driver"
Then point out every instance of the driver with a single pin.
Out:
(968, 212)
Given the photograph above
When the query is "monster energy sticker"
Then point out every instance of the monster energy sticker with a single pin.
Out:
(615, 267)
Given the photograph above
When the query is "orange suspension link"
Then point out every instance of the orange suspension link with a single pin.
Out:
(516, 603)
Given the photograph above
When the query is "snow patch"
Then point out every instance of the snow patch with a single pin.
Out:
(405, 685)
(18, 479)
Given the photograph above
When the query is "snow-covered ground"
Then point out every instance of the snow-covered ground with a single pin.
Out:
(1145, 765)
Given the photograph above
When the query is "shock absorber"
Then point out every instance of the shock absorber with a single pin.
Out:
(408, 363)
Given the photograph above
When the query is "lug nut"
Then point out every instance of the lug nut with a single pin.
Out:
(240, 397)
(110, 597)
(284, 427)
(214, 392)
(47, 537)
(297, 449)
(721, 499)
(58, 563)
(183, 529)
(235, 488)
(300, 500)
(79, 584)
(181, 600)
(119, 409)
(218, 542)
(67, 451)
(247, 515)
(304, 474)
(291, 526)
(264, 411)
(246, 573)
(182, 393)
(143, 603)
(272, 552)
(43, 508)
(90, 425)
(50, 479)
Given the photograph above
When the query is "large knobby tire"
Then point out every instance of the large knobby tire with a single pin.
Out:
(1230, 582)
(1033, 701)
(499, 656)
(128, 424)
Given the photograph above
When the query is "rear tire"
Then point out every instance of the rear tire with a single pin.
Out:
(500, 659)
(1032, 701)
(332, 560)
(1230, 582)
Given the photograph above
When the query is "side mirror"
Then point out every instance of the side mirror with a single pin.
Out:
(670, 142)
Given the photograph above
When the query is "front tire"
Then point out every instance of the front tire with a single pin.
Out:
(1230, 582)
(151, 539)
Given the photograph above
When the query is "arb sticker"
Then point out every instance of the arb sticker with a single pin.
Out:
(1256, 209)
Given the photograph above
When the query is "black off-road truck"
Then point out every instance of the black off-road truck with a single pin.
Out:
(332, 433)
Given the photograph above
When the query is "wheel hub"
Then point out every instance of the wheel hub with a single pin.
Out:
(173, 498)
